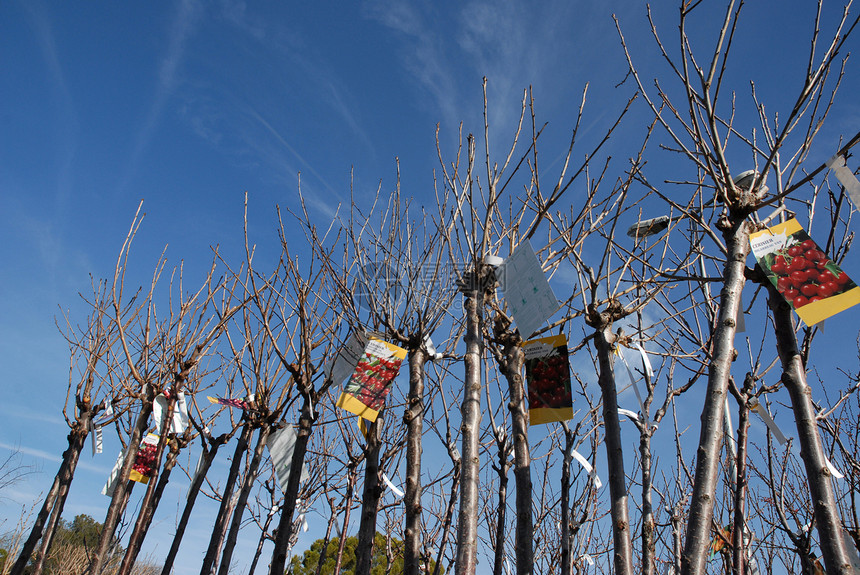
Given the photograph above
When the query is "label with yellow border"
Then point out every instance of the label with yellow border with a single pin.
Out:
(365, 392)
(548, 379)
(812, 284)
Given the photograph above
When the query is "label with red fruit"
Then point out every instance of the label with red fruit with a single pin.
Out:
(364, 394)
(144, 462)
(548, 380)
(809, 281)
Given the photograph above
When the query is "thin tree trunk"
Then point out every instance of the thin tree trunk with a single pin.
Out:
(193, 492)
(327, 538)
(148, 512)
(119, 499)
(241, 503)
(566, 555)
(694, 558)
(414, 420)
(827, 521)
(264, 532)
(501, 506)
(739, 558)
(623, 548)
(55, 501)
(285, 523)
(449, 517)
(223, 516)
(524, 543)
(467, 526)
(369, 500)
(350, 489)
(152, 496)
(649, 551)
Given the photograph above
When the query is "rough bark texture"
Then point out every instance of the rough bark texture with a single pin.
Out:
(414, 420)
(694, 558)
(649, 543)
(827, 521)
(55, 501)
(223, 516)
(514, 362)
(119, 500)
(369, 500)
(566, 555)
(739, 559)
(147, 513)
(285, 524)
(193, 492)
(241, 503)
(467, 525)
(501, 507)
(622, 556)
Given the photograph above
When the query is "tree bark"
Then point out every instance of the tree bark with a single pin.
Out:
(467, 525)
(55, 501)
(152, 496)
(566, 555)
(514, 362)
(119, 499)
(827, 519)
(623, 548)
(193, 492)
(223, 516)
(350, 489)
(414, 420)
(369, 500)
(694, 558)
(241, 503)
(148, 512)
(649, 551)
(739, 558)
(285, 523)
(501, 507)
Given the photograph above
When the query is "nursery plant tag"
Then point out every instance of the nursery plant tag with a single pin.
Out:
(814, 286)
(281, 444)
(548, 379)
(144, 461)
(364, 394)
(110, 484)
(846, 177)
(179, 421)
(527, 292)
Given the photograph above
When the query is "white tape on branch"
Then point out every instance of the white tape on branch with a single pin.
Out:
(587, 466)
(391, 486)
(768, 420)
(833, 471)
(846, 177)
(636, 389)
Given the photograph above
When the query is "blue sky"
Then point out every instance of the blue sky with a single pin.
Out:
(188, 105)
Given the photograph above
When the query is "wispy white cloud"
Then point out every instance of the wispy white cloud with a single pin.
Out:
(182, 26)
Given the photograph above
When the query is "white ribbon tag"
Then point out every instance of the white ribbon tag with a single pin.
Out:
(588, 559)
(636, 389)
(99, 441)
(391, 486)
(847, 178)
(587, 466)
(768, 420)
(833, 471)
(632, 415)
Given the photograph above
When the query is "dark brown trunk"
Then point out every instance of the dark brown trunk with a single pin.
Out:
(223, 516)
(470, 432)
(524, 546)
(193, 492)
(414, 420)
(152, 496)
(119, 499)
(827, 520)
(501, 506)
(55, 501)
(369, 500)
(285, 523)
(695, 555)
(566, 555)
(622, 556)
(739, 559)
(241, 503)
